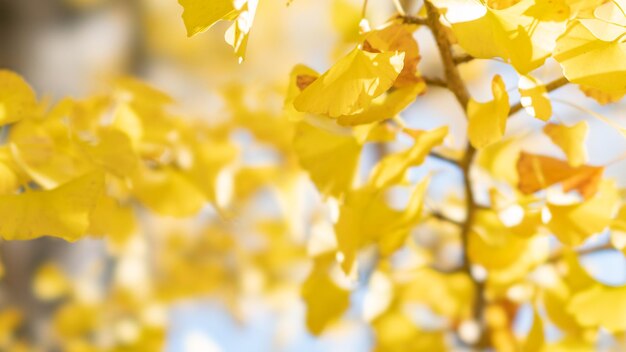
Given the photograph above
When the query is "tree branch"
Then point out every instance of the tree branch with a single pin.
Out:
(558, 255)
(456, 85)
(414, 20)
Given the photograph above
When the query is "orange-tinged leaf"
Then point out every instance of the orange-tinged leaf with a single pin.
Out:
(537, 172)
(396, 37)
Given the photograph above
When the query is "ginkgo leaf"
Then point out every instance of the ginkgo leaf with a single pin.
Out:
(325, 300)
(396, 37)
(351, 84)
(487, 121)
(113, 152)
(601, 96)
(571, 140)
(386, 106)
(392, 168)
(50, 282)
(330, 159)
(112, 219)
(11, 175)
(537, 172)
(17, 99)
(397, 332)
(48, 152)
(237, 34)
(62, 212)
(450, 295)
(505, 255)
(512, 34)
(573, 224)
(534, 98)
(588, 42)
(500, 159)
(366, 218)
(602, 306)
(535, 339)
(200, 15)
(167, 191)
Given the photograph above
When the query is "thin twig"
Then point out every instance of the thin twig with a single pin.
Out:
(551, 86)
(414, 20)
(443, 217)
(435, 81)
(461, 59)
(444, 158)
(558, 255)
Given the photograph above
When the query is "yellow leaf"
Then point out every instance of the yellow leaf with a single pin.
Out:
(351, 84)
(602, 306)
(48, 152)
(588, 42)
(500, 159)
(17, 99)
(11, 175)
(601, 96)
(511, 33)
(112, 219)
(200, 15)
(330, 159)
(386, 106)
(535, 339)
(571, 140)
(325, 300)
(450, 295)
(62, 212)
(392, 168)
(396, 332)
(505, 255)
(365, 218)
(534, 98)
(167, 191)
(50, 283)
(113, 152)
(487, 121)
(549, 10)
(237, 34)
(573, 224)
